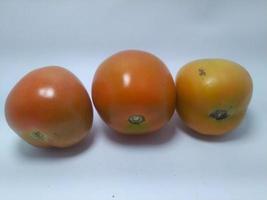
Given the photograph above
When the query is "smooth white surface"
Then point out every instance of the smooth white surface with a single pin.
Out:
(171, 164)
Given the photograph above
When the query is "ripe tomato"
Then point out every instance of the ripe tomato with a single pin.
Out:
(133, 92)
(213, 95)
(49, 107)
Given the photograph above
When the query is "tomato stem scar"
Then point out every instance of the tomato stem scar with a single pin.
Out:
(219, 114)
(37, 135)
(201, 72)
(136, 119)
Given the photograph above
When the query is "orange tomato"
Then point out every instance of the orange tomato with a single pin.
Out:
(133, 92)
(213, 95)
(49, 107)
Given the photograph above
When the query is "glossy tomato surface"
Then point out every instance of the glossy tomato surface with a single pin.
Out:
(213, 95)
(49, 107)
(133, 92)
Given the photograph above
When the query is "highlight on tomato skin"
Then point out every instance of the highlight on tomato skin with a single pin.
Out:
(213, 95)
(49, 107)
(134, 92)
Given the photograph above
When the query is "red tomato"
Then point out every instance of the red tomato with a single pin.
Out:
(49, 107)
(133, 92)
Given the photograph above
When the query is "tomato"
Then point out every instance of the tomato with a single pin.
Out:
(213, 95)
(49, 107)
(133, 92)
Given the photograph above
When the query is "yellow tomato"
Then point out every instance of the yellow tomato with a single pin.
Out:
(213, 95)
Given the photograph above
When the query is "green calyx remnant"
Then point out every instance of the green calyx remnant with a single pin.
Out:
(219, 114)
(136, 119)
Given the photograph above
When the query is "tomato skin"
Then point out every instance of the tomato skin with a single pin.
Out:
(133, 92)
(49, 107)
(213, 95)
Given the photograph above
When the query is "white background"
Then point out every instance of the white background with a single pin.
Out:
(171, 164)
